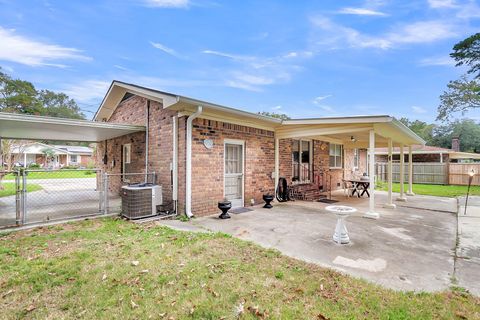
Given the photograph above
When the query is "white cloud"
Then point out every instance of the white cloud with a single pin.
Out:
(335, 35)
(165, 49)
(20, 49)
(321, 98)
(168, 3)
(277, 108)
(252, 73)
(120, 67)
(423, 32)
(87, 91)
(437, 61)
(361, 12)
(338, 35)
(442, 4)
(326, 108)
(419, 110)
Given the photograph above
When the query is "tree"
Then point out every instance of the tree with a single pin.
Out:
(281, 116)
(19, 96)
(463, 94)
(467, 52)
(466, 129)
(421, 128)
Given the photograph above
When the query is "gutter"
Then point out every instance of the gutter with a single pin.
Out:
(188, 173)
(147, 140)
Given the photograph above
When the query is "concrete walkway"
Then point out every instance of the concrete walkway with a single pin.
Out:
(467, 264)
(410, 248)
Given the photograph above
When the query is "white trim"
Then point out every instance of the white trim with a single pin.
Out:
(239, 143)
(342, 156)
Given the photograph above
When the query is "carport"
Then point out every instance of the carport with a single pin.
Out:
(357, 132)
(45, 195)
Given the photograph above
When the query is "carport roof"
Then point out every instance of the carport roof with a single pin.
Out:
(19, 126)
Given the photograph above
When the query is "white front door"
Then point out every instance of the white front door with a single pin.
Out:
(234, 173)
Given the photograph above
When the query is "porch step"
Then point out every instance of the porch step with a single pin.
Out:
(308, 192)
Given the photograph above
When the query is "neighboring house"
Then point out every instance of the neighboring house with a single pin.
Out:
(51, 156)
(429, 154)
(203, 153)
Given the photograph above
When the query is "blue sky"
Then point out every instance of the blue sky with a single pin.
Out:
(302, 58)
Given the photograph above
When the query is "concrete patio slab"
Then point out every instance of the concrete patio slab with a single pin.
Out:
(409, 248)
(467, 266)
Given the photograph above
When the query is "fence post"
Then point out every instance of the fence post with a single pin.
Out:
(101, 204)
(24, 195)
(105, 196)
(18, 199)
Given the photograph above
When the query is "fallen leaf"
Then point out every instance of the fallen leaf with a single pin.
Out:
(104, 277)
(321, 317)
(30, 308)
(7, 293)
(133, 304)
(135, 263)
(144, 271)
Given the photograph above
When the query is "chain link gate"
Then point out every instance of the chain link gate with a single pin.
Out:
(40, 196)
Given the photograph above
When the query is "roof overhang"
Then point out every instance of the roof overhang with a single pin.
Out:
(465, 155)
(334, 129)
(19, 126)
(343, 129)
(184, 105)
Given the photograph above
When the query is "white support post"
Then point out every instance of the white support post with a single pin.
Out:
(402, 175)
(24, 160)
(410, 172)
(371, 171)
(277, 165)
(390, 203)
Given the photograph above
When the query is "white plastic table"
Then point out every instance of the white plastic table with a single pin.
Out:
(341, 233)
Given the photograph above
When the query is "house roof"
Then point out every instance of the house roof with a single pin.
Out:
(36, 148)
(75, 149)
(334, 129)
(419, 149)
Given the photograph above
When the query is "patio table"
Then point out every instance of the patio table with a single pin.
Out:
(341, 233)
(360, 187)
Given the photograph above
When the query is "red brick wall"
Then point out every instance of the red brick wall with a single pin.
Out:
(133, 111)
(208, 164)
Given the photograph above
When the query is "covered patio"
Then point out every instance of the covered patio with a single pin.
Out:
(349, 133)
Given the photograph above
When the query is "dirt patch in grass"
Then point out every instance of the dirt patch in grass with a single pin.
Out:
(114, 269)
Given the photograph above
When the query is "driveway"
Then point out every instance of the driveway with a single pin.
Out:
(409, 248)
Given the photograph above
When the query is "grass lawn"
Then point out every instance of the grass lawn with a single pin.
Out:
(9, 188)
(435, 190)
(56, 174)
(111, 269)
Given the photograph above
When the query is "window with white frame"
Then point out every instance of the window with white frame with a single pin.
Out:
(356, 158)
(73, 158)
(336, 156)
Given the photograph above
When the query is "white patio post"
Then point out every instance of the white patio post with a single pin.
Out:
(410, 172)
(24, 159)
(390, 203)
(371, 172)
(402, 175)
(277, 165)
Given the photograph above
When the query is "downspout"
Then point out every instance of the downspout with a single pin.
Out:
(147, 140)
(175, 163)
(188, 173)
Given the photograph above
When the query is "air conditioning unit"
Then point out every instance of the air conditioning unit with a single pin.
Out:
(141, 200)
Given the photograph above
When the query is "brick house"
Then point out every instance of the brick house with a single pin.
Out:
(203, 152)
(61, 155)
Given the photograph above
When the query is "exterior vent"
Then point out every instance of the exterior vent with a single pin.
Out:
(141, 200)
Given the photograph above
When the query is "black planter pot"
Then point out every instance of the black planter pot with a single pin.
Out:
(268, 198)
(224, 206)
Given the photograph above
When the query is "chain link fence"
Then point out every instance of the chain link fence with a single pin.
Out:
(40, 196)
